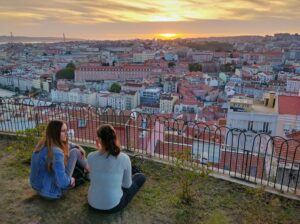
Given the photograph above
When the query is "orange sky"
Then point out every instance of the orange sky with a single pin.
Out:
(120, 19)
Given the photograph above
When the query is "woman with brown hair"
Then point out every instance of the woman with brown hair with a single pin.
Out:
(112, 185)
(53, 163)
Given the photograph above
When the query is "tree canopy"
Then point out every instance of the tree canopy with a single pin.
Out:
(115, 88)
(66, 73)
(228, 67)
(195, 67)
(211, 46)
(71, 66)
(171, 64)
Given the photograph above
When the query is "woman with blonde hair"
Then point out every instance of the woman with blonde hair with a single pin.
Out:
(112, 184)
(53, 163)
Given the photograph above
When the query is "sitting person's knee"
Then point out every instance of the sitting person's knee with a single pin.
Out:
(139, 179)
(75, 152)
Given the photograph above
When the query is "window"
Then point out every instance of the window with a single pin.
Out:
(266, 127)
(250, 125)
(81, 123)
(286, 128)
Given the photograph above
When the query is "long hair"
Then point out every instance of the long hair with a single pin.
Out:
(109, 139)
(52, 138)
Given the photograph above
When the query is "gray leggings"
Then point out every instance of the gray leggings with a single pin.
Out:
(75, 157)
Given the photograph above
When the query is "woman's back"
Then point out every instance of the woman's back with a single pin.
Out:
(108, 175)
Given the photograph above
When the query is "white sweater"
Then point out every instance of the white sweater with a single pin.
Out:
(108, 175)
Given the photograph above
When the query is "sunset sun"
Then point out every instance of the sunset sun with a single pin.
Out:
(168, 35)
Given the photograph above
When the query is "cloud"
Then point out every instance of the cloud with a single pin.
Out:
(97, 11)
(99, 17)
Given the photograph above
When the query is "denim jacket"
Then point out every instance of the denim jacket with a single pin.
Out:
(49, 184)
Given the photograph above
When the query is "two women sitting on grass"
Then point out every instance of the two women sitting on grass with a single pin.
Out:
(53, 162)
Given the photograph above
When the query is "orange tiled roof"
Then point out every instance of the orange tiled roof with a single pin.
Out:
(289, 105)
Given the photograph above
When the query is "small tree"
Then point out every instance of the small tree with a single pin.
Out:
(17, 89)
(195, 67)
(188, 171)
(171, 64)
(115, 88)
(71, 66)
(26, 141)
(66, 73)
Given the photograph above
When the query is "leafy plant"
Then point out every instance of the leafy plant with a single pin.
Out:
(26, 141)
(187, 170)
(115, 88)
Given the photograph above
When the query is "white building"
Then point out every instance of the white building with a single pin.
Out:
(36, 83)
(202, 56)
(126, 100)
(75, 96)
(166, 103)
(142, 57)
(170, 85)
(293, 84)
(252, 118)
(23, 83)
(187, 106)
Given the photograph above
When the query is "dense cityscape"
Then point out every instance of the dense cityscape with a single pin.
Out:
(241, 82)
(172, 111)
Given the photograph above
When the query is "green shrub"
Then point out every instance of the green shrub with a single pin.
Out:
(187, 171)
(26, 141)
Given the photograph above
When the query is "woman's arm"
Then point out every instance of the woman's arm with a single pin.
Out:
(62, 179)
(73, 145)
(82, 153)
(127, 178)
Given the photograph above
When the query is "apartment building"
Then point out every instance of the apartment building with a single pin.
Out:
(167, 102)
(293, 84)
(170, 85)
(75, 96)
(126, 100)
(95, 72)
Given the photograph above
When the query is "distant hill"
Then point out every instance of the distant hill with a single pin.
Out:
(23, 39)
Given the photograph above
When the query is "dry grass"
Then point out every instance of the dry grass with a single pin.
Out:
(214, 201)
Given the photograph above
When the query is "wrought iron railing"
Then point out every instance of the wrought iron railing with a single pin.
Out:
(253, 157)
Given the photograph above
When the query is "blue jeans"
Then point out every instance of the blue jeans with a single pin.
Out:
(75, 158)
(138, 180)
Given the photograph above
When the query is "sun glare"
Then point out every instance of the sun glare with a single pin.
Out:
(168, 35)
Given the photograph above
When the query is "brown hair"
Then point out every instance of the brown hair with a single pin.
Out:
(109, 140)
(52, 137)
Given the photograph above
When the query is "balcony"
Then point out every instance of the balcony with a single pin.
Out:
(268, 164)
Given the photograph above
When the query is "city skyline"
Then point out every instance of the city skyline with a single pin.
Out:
(147, 19)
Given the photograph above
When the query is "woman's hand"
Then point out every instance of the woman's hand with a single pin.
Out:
(87, 168)
(72, 182)
(82, 151)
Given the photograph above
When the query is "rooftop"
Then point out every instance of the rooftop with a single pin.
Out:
(289, 105)
(260, 108)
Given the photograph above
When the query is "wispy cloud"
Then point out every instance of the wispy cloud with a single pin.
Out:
(95, 11)
(120, 16)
